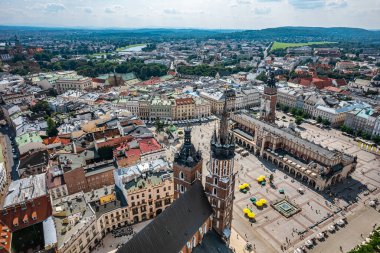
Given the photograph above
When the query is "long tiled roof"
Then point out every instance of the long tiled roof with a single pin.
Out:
(280, 132)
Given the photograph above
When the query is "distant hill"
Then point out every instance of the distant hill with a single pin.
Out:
(306, 34)
(281, 34)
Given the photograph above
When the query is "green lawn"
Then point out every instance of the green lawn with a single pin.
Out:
(123, 48)
(281, 45)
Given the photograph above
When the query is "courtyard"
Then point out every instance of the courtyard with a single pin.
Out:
(110, 243)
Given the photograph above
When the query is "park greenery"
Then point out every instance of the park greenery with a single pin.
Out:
(129, 46)
(51, 128)
(159, 124)
(262, 77)
(362, 134)
(369, 247)
(300, 115)
(42, 106)
(282, 45)
(95, 68)
(206, 70)
(323, 121)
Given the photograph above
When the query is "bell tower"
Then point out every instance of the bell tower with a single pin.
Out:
(220, 182)
(269, 100)
(187, 167)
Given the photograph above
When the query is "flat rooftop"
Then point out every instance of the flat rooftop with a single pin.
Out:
(71, 214)
(25, 189)
(153, 179)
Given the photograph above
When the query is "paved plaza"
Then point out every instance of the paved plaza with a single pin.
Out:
(271, 231)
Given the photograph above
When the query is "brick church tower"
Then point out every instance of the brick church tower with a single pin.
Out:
(269, 100)
(187, 167)
(220, 182)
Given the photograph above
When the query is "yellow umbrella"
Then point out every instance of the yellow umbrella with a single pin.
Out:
(264, 201)
(262, 176)
(259, 203)
(246, 210)
(241, 187)
(251, 215)
(246, 185)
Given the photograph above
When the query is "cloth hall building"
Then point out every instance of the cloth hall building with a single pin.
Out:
(317, 166)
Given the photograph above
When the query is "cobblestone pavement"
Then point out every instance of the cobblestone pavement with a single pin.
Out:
(271, 231)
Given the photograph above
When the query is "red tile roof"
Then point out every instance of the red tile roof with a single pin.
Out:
(152, 81)
(341, 82)
(15, 215)
(115, 141)
(134, 152)
(332, 89)
(52, 140)
(5, 241)
(184, 101)
(148, 145)
(65, 141)
(132, 157)
(98, 80)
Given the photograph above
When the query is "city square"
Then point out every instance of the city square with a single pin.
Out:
(236, 126)
(271, 231)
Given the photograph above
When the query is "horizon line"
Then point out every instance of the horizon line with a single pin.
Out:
(177, 28)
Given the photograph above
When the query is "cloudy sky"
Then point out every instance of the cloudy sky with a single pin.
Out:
(234, 14)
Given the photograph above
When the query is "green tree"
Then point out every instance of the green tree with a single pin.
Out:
(105, 153)
(271, 178)
(298, 120)
(51, 128)
(376, 139)
(319, 119)
(262, 77)
(326, 122)
(159, 125)
(41, 106)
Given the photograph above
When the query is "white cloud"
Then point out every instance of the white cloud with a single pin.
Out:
(243, 2)
(337, 3)
(87, 10)
(234, 14)
(109, 10)
(54, 7)
(307, 4)
(262, 11)
(171, 11)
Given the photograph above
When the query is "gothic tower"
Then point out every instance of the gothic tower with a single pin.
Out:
(269, 100)
(220, 182)
(187, 166)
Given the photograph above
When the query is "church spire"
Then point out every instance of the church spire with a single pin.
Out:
(223, 129)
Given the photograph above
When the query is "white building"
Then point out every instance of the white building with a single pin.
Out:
(73, 82)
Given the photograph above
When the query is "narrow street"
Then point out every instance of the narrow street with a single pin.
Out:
(14, 161)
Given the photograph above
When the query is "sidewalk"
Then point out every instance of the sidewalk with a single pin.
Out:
(361, 223)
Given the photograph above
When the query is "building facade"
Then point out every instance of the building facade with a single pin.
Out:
(78, 83)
